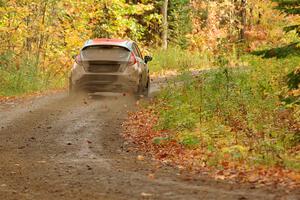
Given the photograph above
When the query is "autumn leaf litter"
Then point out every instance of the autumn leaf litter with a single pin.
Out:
(139, 131)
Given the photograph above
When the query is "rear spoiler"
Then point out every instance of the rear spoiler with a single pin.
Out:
(90, 44)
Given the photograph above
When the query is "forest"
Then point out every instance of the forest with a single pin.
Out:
(39, 37)
(243, 113)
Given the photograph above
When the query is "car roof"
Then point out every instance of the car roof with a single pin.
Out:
(106, 41)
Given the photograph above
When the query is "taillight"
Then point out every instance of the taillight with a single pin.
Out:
(78, 60)
(132, 59)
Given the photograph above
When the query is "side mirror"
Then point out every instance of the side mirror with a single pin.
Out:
(147, 59)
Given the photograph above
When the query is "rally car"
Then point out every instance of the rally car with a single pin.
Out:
(110, 65)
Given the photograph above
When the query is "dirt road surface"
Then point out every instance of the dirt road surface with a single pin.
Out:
(56, 147)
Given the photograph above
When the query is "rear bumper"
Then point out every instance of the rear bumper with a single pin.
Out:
(106, 83)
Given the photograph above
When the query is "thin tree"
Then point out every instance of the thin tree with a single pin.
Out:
(243, 16)
(165, 25)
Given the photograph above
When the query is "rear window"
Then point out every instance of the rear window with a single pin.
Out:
(105, 53)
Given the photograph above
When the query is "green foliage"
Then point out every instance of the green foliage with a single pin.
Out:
(280, 52)
(189, 140)
(236, 151)
(25, 77)
(160, 140)
(177, 59)
(180, 24)
(294, 79)
(291, 7)
(292, 94)
(235, 107)
(292, 28)
(50, 32)
(141, 21)
(2, 2)
(126, 20)
(38, 39)
(179, 115)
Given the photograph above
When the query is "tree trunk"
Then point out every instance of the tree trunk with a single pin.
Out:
(243, 13)
(42, 33)
(165, 25)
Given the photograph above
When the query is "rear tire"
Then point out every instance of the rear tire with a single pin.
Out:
(147, 89)
(72, 88)
(143, 90)
(140, 89)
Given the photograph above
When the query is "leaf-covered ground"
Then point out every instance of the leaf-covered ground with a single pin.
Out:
(140, 129)
(239, 124)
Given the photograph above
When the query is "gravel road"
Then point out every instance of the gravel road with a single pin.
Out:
(57, 147)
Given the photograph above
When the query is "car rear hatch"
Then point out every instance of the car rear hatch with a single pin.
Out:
(105, 58)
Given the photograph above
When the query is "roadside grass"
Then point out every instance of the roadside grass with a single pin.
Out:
(235, 114)
(25, 76)
(230, 123)
(176, 60)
